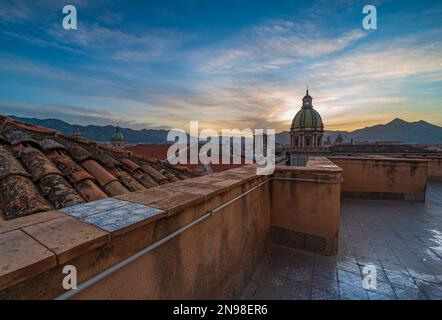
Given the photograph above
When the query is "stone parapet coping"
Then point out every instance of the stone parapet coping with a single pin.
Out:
(380, 159)
(34, 244)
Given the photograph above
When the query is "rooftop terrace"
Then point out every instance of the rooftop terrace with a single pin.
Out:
(403, 240)
(162, 235)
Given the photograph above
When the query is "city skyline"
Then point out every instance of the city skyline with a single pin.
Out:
(226, 64)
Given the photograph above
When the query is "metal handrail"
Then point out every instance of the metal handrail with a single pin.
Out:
(90, 282)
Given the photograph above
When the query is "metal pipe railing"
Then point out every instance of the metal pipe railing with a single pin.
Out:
(90, 282)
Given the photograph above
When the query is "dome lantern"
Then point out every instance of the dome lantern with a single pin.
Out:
(118, 138)
(307, 127)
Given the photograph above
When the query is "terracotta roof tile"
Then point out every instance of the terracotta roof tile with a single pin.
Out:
(115, 188)
(169, 176)
(71, 169)
(90, 191)
(158, 151)
(105, 159)
(3, 139)
(144, 179)
(16, 137)
(158, 177)
(49, 145)
(9, 165)
(127, 180)
(80, 154)
(130, 165)
(102, 175)
(55, 188)
(37, 164)
(31, 127)
(19, 197)
(42, 169)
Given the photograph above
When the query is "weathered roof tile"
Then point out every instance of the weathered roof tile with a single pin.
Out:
(90, 191)
(79, 154)
(106, 160)
(71, 169)
(49, 145)
(55, 188)
(19, 197)
(37, 164)
(130, 165)
(169, 176)
(127, 180)
(102, 175)
(41, 168)
(16, 137)
(9, 165)
(159, 177)
(115, 188)
(144, 178)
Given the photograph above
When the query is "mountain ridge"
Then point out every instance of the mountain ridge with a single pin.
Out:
(416, 132)
(398, 130)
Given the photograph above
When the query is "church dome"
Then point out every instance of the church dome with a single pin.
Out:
(307, 118)
(118, 136)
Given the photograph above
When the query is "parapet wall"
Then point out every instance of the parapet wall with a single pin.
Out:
(434, 167)
(214, 258)
(305, 205)
(383, 178)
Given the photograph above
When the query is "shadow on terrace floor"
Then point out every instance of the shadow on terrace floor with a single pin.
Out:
(402, 239)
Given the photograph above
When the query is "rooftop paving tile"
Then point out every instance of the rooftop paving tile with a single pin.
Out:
(22, 257)
(9, 225)
(67, 237)
(402, 240)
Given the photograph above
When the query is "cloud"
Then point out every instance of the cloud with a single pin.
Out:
(68, 113)
(273, 45)
(15, 11)
(254, 77)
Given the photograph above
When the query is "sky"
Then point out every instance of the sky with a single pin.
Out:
(227, 64)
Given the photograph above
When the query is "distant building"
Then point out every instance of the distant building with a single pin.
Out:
(328, 141)
(77, 134)
(307, 128)
(118, 138)
(339, 139)
(159, 151)
(306, 133)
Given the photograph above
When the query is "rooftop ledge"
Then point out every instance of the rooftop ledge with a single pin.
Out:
(35, 245)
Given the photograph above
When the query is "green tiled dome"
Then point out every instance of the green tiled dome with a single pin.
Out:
(307, 118)
(118, 136)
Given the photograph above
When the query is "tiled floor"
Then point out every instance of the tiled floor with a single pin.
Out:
(402, 240)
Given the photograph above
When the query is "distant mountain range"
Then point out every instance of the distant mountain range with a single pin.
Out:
(397, 130)
(101, 133)
(419, 132)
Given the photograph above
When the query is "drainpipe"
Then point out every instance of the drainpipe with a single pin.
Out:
(90, 282)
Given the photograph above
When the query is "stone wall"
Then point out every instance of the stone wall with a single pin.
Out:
(296, 206)
(216, 257)
(434, 168)
(383, 178)
(305, 206)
